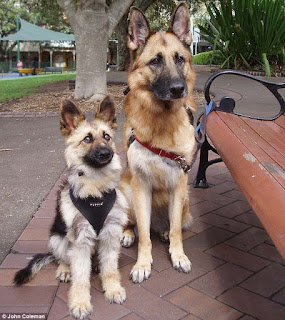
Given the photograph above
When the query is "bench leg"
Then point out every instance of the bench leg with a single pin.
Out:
(201, 180)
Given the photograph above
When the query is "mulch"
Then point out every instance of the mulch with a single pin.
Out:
(48, 98)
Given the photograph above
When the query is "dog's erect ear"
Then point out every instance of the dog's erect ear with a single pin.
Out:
(139, 29)
(107, 111)
(180, 24)
(70, 116)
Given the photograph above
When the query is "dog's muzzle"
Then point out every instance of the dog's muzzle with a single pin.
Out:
(99, 157)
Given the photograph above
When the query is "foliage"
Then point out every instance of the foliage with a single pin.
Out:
(8, 13)
(19, 87)
(207, 58)
(246, 32)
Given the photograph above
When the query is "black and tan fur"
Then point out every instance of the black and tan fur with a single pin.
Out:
(94, 168)
(161, 81)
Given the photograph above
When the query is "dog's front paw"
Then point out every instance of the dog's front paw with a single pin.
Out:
(181, 263)
(117, 295)
(63, 273)
(140, 273)
(127, 239)
(80, 310)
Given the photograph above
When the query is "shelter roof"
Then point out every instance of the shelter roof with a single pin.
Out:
(31, 32)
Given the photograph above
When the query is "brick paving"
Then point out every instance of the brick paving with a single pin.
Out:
(237, 272)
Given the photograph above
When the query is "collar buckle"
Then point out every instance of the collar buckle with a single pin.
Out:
(183, 163)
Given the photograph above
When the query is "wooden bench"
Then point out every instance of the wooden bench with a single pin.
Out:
(53, 69)
(29, 71)
(254, 152)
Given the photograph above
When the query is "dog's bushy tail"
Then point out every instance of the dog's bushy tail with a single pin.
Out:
(39, 260)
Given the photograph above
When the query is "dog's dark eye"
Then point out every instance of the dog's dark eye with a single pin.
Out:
(156, 61)
(179, 59)
(106, 136)
(88, 139)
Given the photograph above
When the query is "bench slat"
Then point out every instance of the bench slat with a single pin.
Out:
(259, 147)
(267, 133)
(281, 121)
(263, 191)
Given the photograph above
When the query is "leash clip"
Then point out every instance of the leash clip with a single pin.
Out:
(183, 163)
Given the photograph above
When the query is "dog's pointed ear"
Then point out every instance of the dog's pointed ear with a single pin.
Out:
(70, 116)
(107, 111)
(139, 29)
(180, 24)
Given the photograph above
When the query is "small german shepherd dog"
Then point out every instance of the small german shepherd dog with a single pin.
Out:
(158, 106)
(91, 211)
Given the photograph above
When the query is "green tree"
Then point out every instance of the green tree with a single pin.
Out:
(8, 14)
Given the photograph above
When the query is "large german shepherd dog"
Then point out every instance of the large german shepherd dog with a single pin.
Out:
(91, 211)
(157, 111)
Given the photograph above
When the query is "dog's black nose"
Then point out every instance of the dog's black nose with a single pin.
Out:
(104, 154)
(177, 89)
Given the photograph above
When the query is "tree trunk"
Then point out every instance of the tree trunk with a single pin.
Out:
(121, 33)
(92, 22)
(91, 37)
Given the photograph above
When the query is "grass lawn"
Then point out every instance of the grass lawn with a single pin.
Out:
(19, 87)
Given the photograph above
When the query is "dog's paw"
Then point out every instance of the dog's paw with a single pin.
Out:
(117, 295)
(63, 273)
(164, 236)
(80, 310)
(181, 263)
(127, 239)
(140, 273)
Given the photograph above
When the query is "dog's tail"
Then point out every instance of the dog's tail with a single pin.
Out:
(39, 260)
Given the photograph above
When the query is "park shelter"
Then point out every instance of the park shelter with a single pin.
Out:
(54, 48)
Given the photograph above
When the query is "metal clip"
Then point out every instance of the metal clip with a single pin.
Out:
(183, 164)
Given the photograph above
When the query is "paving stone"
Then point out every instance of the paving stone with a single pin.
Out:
(58, 310)
(246, 317)
(207, 239)
(27, 296)
(267, 281)
(131, 316)
(233, 209)
(235, 194)
(248, 239)
(268, 252)
(236, 256)
(169, 280)
(223, 187)
(35, 234)
(202, 260)
(103, 310)
(199, 226)
(201, 305)
(225, 223)
(280, 297)
(149, 306)
(124, 260)
(31, 247)
(250, 218)
(191, 317)
(16, 260)
(46, 277)
(253, 304)
(223, 176)
(161, 260)
(25, 309)
(221, 279)
(204, 207)
(39, 223)
(214, 197)
(45, 213)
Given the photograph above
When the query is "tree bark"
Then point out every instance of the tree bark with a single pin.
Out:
(92, 23)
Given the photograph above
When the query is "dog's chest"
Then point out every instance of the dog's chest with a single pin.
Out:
(157, 171)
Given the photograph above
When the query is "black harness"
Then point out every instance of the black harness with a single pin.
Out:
(95, 210)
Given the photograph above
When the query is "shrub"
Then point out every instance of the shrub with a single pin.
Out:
(246, 31)
(207, 58)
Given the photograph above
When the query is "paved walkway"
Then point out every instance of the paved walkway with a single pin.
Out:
(237, 272)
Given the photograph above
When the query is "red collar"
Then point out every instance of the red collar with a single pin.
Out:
(170, 155)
